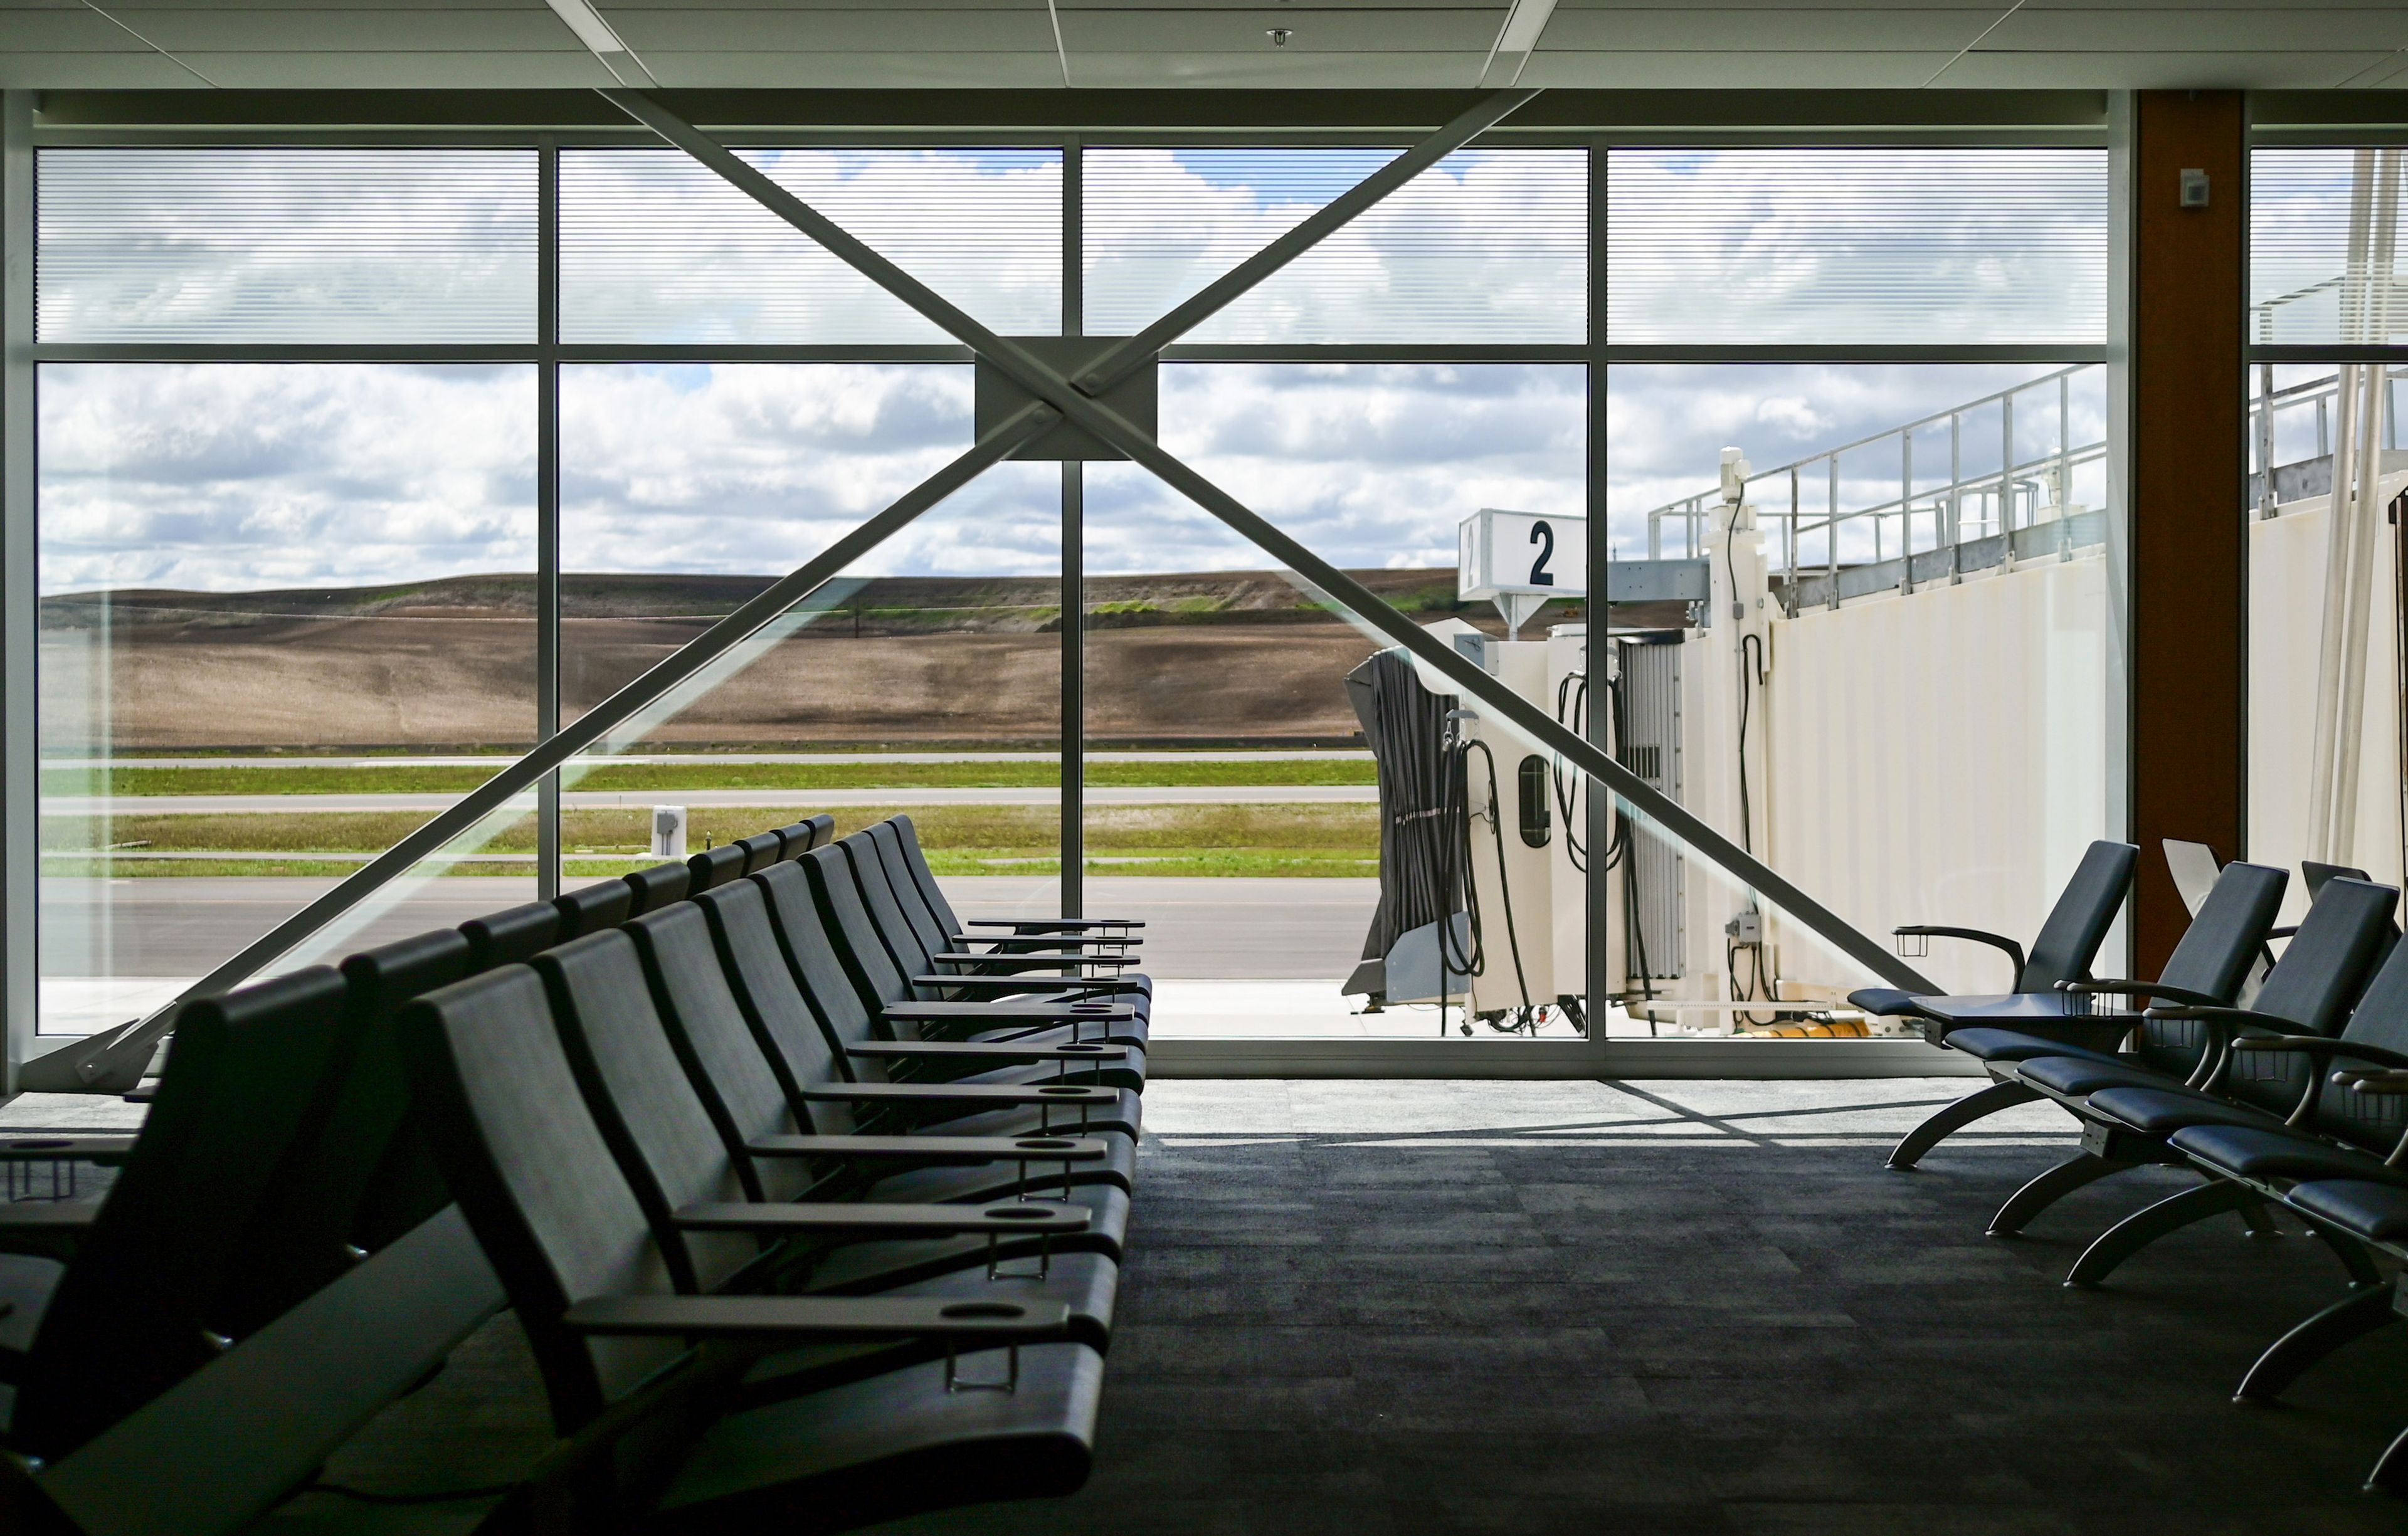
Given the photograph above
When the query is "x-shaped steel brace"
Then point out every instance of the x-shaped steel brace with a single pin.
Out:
(116, 1059)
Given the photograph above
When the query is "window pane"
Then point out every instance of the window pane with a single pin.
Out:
(2323, 227)
(287, 615)
(1833, 246)
(254, 246)
(656, 247)
(1229, 790)
(925, 678)
(1487, 245)
(1992, 480)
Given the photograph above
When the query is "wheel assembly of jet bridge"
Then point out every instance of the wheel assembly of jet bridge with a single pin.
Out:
(1488, 841)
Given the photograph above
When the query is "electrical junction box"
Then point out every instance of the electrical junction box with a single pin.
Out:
(1746, 928)
(668, 832)
(995, 397)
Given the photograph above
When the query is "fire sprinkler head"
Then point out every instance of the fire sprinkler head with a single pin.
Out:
(1279, 36)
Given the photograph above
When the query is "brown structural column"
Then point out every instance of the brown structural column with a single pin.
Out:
(2190, 570)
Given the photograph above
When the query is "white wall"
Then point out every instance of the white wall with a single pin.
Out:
(1940, 758)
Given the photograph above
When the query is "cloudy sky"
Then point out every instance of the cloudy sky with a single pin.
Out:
(230, 476)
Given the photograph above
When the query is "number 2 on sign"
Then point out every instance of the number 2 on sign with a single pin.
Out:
(1544, 537)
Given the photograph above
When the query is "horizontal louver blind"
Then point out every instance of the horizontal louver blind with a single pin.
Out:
(239, 246)
(2326, 232)
(1838, 247)
(654, 248)
(1485, 246)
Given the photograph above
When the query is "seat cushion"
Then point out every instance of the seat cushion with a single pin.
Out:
(1985, 1043)
(2163, 1111)
(1885, 1002)
(2258, 1152)
(2361, 1207)
(2073, 1076)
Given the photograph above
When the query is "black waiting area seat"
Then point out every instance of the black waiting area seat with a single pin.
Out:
(782, 1258)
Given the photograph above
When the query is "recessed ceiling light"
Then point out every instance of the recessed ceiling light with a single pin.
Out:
(591, 30)
(1523, 27)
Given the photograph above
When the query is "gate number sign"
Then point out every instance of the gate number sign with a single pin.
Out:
(1500, 552)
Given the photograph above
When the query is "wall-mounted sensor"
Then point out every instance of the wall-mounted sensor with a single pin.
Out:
(2194, 189)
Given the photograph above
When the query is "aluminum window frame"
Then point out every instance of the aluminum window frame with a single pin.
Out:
(1553, 1059)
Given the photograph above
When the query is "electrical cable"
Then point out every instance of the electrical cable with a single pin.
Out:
(1574, 687)
(1504, 886)
(1748, 681)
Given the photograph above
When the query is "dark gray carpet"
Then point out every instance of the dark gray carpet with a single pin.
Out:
(1325, 1335)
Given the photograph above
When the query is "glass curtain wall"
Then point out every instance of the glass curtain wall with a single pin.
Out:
(2329, 466)
(1911, 518)
(1438, 400)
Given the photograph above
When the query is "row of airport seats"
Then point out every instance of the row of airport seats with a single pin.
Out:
(808, 1202)
(2282, 1082)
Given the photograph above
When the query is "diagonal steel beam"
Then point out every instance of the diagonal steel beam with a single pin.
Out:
(1110, 425)
(117, 1058)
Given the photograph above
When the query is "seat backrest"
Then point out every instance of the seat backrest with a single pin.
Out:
(357, 1177)
(925, 878)
(810, 948)
(761, 850)
(714, 867)
(823, 828)
(851, 933)
(2320, 973)
(897, 868)
(2215, 955)
(593, 908)
(911, 953)
(657, 887)
(641, 1097)
(125, 1321)
(2069, 941)
(790, 1036)
(714, 1040)
(2194, 867)
(512, 936)
(536, 1179)
(2381, 1020)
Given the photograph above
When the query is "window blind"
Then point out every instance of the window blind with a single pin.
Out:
(1486, 246)
(2325, 226)
(1856, 246)
(654, 248)
(262, 246)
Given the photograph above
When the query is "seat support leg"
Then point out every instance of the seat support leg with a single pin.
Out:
(1956, 1117)
(2145, 1226)
(2046, 1191)
(2365, 1309)
(2391, 1474)
(2352, 1254)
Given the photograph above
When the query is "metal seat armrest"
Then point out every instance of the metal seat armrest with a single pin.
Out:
(884, 1219)
(973, 1050)
(2179, 995)
(963, 1150)
(1997, 941)
(107, 1148)
(820, 1320)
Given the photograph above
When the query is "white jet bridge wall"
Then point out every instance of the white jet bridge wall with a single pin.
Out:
(2286, 599)
(1938, 758)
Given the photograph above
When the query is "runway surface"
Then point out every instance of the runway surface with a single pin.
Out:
(805, 801)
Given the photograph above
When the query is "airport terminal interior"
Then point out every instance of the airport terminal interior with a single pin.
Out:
(1733, 676)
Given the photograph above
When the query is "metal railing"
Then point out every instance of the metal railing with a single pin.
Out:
(1825, 519)
(2025, 490)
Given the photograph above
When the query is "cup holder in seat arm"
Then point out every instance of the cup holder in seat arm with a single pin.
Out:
(971, 1310)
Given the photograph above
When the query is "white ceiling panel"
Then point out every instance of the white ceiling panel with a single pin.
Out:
(1325, 31)
(1768, 71)
(77, 30)
(1757, 30)
(822, 70)
(2326, 28)
(413, 71)
(1283, 69)
(186, 30)
(899, 30)
(1999, 69)
(140, 70)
